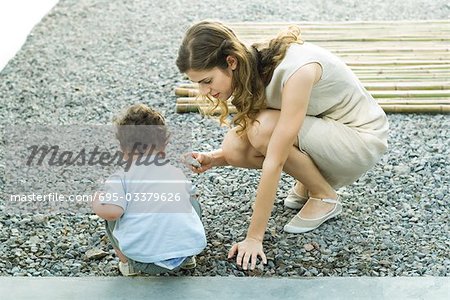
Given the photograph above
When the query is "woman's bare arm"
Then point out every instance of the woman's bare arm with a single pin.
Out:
(295, 99)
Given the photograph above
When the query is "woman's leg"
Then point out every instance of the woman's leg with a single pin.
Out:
(240, 152)
(300, 189)
(298, 164)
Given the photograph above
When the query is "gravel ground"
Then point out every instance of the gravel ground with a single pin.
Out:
(88, 59)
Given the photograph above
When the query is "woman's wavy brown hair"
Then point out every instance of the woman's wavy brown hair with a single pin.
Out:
(207, 44)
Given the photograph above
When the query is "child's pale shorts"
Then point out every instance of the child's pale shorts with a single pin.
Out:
(147, 268)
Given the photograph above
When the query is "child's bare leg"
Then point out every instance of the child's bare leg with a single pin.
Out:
(120, 255)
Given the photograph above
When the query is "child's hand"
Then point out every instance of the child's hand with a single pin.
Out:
(198, 162)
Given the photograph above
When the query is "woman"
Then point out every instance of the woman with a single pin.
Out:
(300, 109)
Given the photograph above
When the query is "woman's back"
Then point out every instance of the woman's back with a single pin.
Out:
(338, 94)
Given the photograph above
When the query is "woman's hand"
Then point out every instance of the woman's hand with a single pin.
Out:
(199, 162)
(247, 251)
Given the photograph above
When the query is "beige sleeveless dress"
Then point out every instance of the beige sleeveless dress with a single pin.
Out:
(345, 131)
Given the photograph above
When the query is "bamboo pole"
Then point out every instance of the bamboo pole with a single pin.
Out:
(384, 101)
(376, 31)
(348, 25)
(400, 79)
(345, 34)
(380, 70)
(186, 92)
(391, 49)
(407, 67)
(393, 108)
(193, 100)
(398, 63)
(425, 71)
(376, 90)
(362, 36)
(351, 23)
(393, 52)
(410, 94)
(429, 57)
(413, 102)
(380, 86)
(416, 108)
(336, 46)
(185, 108)
(408, 86)
(392, 77)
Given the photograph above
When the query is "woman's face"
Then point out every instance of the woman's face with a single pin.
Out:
(215, 82)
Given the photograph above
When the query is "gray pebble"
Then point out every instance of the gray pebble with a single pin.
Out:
(396, 207)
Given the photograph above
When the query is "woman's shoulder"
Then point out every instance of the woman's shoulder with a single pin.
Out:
(305, 50)
(296, 56)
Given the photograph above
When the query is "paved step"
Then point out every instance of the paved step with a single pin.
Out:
(217, 288)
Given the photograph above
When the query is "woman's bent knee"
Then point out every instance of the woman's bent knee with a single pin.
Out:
(261, 130)
(233, 148)
(238, 151)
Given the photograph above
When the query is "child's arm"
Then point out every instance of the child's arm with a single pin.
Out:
(109, 212)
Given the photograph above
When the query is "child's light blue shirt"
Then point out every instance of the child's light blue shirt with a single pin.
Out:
(159, 222)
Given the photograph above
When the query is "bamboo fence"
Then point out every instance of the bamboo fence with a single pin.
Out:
(405, 65)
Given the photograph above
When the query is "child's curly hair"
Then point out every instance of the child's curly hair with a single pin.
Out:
(141, 128)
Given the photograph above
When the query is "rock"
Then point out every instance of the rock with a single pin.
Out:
(95, 253)
(385, 262)
(308, 247)
(24, 221)
(402, 170)
(316, 245)
(34, 240)
(39, 219)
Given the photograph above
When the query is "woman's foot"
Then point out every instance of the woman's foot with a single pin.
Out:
(300, 189)
(316, 209)
(297, 196)
(315, 212)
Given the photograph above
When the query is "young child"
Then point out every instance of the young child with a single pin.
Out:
(148, 208)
